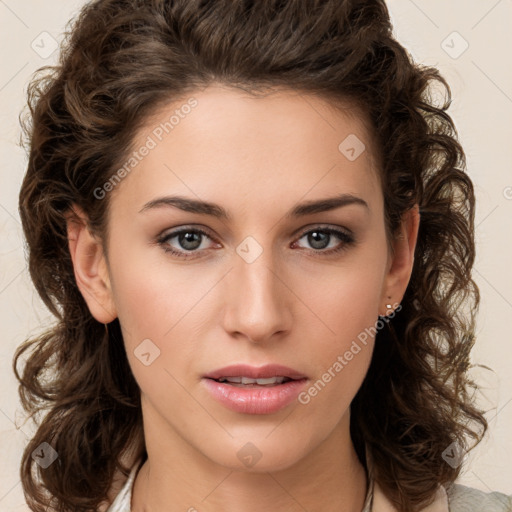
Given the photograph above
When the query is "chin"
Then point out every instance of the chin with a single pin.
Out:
(258, 456)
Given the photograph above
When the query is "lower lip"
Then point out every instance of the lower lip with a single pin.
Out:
(261, 400)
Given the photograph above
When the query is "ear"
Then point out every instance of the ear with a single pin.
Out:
(90, 266)
(401, 261)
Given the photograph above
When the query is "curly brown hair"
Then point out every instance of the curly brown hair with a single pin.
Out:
(123, 59)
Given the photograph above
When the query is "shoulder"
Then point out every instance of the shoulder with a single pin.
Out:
(468, 499)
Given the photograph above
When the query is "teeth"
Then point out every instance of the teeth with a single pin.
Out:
(247, 380)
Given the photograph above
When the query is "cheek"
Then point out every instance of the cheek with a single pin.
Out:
(346, 304)
(152, 297)
(345, 298)
(342, 357)
(158, 308)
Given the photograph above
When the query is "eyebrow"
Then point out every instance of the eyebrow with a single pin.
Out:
(207, 208)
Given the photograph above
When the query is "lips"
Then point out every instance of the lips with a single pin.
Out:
(254, 390)
(251, 373)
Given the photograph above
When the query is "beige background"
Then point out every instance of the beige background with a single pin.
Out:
(481, 80)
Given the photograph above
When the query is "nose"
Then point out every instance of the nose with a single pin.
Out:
(258, 301)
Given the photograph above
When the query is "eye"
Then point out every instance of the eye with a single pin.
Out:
(321, 237)
(189, 240)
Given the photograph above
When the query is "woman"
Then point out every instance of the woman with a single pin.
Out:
(254, 227)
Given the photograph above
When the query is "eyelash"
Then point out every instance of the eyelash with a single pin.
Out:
(347, 240)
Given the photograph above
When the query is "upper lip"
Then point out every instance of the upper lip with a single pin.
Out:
(255, 372)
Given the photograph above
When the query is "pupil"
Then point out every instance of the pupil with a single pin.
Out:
(187, 238)
(318, 244)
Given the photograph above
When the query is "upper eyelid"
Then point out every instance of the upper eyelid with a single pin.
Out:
(327, 227)
(166, 234)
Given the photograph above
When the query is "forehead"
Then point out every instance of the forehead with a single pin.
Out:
(221, 141)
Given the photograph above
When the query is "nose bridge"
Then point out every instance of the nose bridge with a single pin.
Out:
(257, 301)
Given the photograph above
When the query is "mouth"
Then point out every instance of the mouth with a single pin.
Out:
(243, 375)
(247, 382)
(255, 390)
(252, 390)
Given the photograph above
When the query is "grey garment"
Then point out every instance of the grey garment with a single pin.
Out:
(460, 498)
(467, 499)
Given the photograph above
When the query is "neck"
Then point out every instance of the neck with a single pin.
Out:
(177, 477)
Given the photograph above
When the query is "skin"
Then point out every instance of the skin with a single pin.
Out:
(293, 305)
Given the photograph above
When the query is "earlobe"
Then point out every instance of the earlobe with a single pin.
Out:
(90, 267)
(401, 264)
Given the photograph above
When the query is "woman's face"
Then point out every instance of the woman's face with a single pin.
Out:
(267, 284)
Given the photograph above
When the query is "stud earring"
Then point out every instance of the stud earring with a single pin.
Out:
(389, 308)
